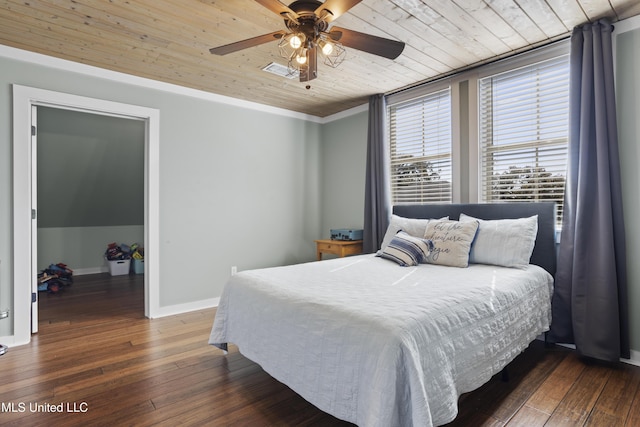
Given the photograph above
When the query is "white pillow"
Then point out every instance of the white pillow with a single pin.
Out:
(412, 226)
(504, 242)
(451, 241)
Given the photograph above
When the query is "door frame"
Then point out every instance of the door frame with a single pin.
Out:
(24, 98)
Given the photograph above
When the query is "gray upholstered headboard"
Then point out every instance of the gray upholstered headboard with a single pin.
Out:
(544, 252)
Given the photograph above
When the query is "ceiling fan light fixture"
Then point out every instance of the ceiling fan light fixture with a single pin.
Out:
(286, 51)
(296, 40)
(336, 56)
(326, 47)
(301, 57)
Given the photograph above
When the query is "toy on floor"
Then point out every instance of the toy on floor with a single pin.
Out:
(55, 278)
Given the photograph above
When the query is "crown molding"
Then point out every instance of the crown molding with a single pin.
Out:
(116, 76)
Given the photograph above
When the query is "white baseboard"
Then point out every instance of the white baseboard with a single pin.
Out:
(170, 310)
(634, 360)
(10, 341)
(187, 307)
(163, 311)
(91, 270)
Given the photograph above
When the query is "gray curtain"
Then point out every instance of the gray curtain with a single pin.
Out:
(376, 197)
(590, 300)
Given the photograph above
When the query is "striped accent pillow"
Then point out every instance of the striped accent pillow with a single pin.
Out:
(407, 250)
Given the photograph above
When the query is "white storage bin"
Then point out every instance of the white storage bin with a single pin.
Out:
(119, 267)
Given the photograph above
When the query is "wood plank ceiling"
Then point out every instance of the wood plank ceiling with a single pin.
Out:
(169, 41)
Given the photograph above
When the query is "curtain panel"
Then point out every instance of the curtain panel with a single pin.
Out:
(590, 299)
(376, 199)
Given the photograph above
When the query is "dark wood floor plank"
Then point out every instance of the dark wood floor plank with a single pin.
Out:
(96, 348)
(555, 387)
(528, 417)
(633, 418)
(576, 406)
(526, 379)
(498, 400)
(614, 403)
(138, 389)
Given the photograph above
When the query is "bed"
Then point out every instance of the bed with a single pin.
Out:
(378, 343)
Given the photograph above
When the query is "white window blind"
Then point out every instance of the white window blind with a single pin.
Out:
(420, 142)
(523, 125)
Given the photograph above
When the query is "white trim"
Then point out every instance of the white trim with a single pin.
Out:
(474, 146)
(634, 360)
(628, 24)
(77, 67)
(21, 220)
(34, 224)
(8, 341)
(23, 99)
(456, 154)
(171, 310)
(90, 270)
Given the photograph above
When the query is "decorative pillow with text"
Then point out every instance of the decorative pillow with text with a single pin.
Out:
(451, 240)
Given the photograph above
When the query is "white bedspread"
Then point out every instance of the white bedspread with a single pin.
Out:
(377, 344)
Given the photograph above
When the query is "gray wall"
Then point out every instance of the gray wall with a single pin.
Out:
(344, 152)
(90, 186)
(628, 100)
(91, 169)
(238, 186)
(82, 248)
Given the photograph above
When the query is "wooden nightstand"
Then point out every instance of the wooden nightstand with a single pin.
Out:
(338, 247)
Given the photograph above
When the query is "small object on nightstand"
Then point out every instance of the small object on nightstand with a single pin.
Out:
(338, 247)
(346, 234)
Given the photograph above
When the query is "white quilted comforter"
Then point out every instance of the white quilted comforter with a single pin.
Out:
(381, 345)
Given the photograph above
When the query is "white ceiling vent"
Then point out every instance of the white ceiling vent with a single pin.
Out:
(280, 70)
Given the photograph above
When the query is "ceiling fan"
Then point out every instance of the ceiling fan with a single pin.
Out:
(308, 33)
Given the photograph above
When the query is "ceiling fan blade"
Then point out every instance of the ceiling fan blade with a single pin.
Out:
(367, 43)
(309, 71)
(277, 7)
(335, 8)
(254, 41)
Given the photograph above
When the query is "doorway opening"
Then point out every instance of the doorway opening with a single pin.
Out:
(89, 185)
(25, 103)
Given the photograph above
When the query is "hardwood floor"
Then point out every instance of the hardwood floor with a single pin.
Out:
(106, 364)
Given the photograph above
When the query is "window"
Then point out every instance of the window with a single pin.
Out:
(420, 144)
(523, 132)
